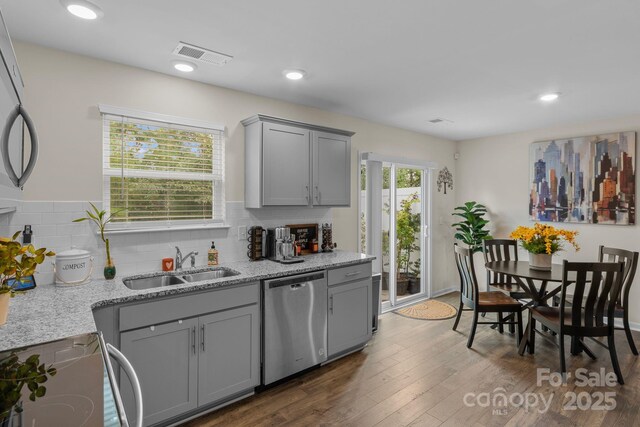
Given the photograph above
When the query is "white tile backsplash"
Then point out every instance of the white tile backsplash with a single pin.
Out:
(140, 252)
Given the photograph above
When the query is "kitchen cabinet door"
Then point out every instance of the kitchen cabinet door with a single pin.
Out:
(229, 360)
(331, 169)
(285, 165)
(166, 361)
(349, 316)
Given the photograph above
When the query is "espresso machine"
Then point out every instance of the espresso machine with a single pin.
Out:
(281, 245)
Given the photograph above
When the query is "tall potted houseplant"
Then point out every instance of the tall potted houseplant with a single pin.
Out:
(16, 262)
(407, 229)
(101, 219)
(542, 241)
(471, 229)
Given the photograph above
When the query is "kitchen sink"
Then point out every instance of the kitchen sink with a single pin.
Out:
(210, 274)
(177, 279)
(152, 282)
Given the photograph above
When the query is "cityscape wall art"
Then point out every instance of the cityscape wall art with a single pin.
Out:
(590, 179)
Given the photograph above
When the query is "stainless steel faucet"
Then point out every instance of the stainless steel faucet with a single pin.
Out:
(180, 258)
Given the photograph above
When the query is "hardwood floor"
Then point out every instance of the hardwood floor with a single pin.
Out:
(417, 373)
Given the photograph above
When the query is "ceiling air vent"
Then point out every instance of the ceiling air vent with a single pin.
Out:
(192, 52)
(439, 120)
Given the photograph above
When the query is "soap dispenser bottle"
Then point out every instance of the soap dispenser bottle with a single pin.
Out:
(212, 255)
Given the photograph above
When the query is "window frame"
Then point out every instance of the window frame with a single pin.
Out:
(218, 184)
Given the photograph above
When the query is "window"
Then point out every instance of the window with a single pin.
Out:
(160, 168)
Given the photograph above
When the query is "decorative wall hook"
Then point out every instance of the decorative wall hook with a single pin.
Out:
(445, 179)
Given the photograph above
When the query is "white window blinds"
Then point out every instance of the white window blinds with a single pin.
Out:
(161, 171)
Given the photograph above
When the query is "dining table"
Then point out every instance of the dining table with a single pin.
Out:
(539, 287)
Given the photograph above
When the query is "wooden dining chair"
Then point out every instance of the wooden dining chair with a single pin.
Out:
(598, 284)
(502, 250)
(630, 260)
(482, 302)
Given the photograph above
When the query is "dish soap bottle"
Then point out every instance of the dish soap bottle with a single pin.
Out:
(212, 255)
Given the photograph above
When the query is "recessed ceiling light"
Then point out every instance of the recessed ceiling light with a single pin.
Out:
(548, 97)
(82, 9)
(184, 66)
(294, 74)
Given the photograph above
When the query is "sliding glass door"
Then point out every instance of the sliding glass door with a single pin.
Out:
(394, 213)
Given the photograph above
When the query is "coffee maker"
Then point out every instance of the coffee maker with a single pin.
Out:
(281, 245)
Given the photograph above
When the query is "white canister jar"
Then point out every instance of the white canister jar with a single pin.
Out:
(73, 267)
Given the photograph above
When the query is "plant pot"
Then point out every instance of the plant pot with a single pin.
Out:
(414, 285)
(110, 271)
(402, 285)
(4, 307)
(540, 261)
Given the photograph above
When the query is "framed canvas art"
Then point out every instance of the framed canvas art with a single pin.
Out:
(588, 179)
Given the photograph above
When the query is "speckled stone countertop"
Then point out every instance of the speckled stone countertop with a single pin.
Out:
(50, 312)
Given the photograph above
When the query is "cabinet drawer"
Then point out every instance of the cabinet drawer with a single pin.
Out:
(168, 309)
(348, 274)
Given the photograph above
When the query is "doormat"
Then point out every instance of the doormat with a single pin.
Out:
(428, 310)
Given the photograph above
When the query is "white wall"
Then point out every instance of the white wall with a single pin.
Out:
(63, 91)
(495, 171)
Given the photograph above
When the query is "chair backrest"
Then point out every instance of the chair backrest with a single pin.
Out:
(499, 250)
(597, 284)
(630, 260)
(468, 280)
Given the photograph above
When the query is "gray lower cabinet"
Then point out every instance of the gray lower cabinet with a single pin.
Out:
(166, 362)
(229, 359)
(349, 316)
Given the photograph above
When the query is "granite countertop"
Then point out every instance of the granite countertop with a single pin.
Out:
(51, 312)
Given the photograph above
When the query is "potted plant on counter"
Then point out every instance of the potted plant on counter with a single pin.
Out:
(100, 218)
(542, 241)
(16, 262)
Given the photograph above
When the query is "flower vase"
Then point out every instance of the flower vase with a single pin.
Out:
(540, 261)
(4, 307)
(110, 270)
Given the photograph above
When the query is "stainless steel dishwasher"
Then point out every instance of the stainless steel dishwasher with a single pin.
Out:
(294, 325)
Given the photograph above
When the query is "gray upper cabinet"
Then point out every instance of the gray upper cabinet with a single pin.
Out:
(290, 163)
(331, 169)
(229, 360)
(166, 362)
(349, 316)
(285, 166)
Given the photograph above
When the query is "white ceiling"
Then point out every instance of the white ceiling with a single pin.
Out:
(480, 64)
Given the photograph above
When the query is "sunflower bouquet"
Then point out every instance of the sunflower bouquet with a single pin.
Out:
(544, 239)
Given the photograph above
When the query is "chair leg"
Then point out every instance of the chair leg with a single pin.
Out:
(500, 325)
(473, 328)
(614, 357)
(627, 331)
(512, 327)
(455, 324)
(532, 335)
(563, 362)
(519, 320)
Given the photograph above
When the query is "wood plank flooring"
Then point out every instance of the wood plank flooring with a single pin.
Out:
(417, 373)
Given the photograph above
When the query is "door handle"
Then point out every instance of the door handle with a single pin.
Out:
(331, 304)
(306, 195)
(135, 382)
(193, 336)
(202, 331)
(4, 146)
(317, 194)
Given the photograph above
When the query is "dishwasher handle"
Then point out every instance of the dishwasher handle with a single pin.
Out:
(294, 280)
(135, 383)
